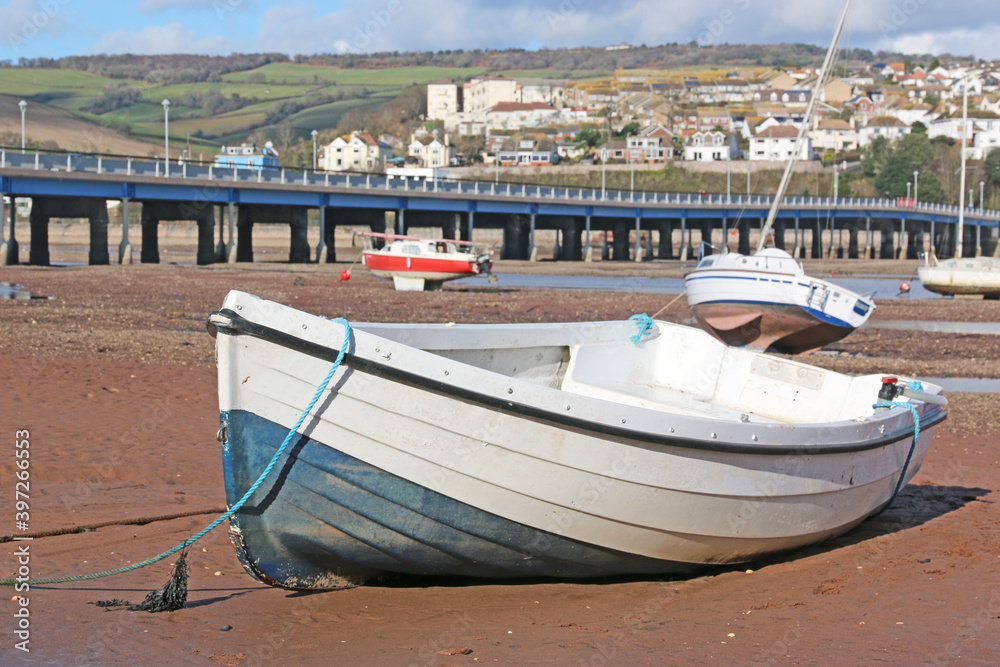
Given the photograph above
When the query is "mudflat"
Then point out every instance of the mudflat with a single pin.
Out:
(114, 379)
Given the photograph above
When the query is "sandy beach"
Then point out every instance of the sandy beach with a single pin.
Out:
(114, 378)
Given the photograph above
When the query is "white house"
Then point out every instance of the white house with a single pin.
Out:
(442, 99)
(892, 129)
(834, 135)
(359, 152)
(529, 152)
(430, 151)
(778, 143)
(710, 146)
(652, 144)
(515, 115)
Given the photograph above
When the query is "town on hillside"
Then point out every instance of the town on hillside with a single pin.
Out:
(659, 116)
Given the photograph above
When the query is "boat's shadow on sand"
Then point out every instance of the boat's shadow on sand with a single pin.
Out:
(915, 506)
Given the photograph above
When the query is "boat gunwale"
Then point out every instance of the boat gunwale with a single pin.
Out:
(240, 325)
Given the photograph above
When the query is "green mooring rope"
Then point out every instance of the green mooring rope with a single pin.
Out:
(234, 508)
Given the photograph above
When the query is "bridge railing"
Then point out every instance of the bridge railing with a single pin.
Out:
(125, 166)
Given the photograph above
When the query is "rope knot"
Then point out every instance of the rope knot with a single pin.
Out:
(645, 324)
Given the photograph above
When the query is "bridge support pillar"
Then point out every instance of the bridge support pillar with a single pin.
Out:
(685, 252)
(4, 243)
(666, 239)
(298, 252)
(779, 233)
(125, 246)
(619, 245)
(244, 238)
(571, 248)
(449, 226)
(150, 251)
(44, 209)
(911, 244)
(8, 246)
(231, 245)
(321, 250)
(515, 237)
(817, 240)
(220, 246)
(705, 246)
(637, 250)
(155, 212)
(743, 246)
(887, 248)
(532, 248)
(852, 242)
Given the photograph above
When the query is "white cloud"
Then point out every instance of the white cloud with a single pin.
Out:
(21, 21)
(170, 38)
(980, 41)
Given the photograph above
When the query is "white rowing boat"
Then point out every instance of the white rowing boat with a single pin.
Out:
(561, 450)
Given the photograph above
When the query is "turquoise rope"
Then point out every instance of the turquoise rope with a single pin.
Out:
(645, 323)
(234, 508)
(909, 455)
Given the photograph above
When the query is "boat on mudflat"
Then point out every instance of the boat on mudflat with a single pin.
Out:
(541, 450)
(965, 276)
(416, 264)
(766, 301)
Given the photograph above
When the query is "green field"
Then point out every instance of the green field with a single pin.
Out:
(76, 92)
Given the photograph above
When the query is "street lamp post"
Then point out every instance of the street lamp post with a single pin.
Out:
(604, 169)
(166, 134)
(314, 134)
(22, 105)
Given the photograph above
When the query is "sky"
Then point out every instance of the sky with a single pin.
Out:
(56, 28)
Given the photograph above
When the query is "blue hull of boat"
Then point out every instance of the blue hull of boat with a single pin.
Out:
(324, 519)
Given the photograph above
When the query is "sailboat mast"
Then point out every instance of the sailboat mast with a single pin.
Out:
(960, 229)
(799, 142)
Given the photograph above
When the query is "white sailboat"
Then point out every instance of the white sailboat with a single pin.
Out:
(766, 300)
(962, 275)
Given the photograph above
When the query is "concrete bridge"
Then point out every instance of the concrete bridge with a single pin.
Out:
(661, 225)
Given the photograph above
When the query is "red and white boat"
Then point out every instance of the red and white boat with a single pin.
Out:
(416, 264)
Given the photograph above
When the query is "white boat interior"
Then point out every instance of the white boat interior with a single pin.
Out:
(678, 370)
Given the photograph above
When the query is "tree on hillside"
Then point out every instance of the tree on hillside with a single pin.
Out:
(992, 167)
(589, 137)
(629, 130)
(914, 152)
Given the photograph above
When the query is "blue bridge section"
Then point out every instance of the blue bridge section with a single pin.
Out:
(642, 225)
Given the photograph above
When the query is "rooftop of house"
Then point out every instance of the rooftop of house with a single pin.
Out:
(778, 132)
(834, 124)
(510, 107)
(886, 121)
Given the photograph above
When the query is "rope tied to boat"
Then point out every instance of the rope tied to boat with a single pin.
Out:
(645, 324)
(232, 510)
(909, 455)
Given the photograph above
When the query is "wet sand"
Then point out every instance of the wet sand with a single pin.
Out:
(115, 380)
